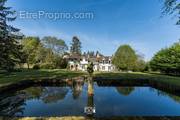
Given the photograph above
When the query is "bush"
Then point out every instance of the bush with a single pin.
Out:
(36, 67)
(90, 68)
(47, 66)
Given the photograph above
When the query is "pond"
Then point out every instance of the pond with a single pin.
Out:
(71, 100)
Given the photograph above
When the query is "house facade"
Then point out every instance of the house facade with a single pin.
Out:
(80, 62)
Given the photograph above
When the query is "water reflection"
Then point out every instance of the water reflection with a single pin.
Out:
(162, 93)
(14, 103)
(125, 90)
(53, 94)
(90, 109)
(33, 92)
(71, 99)
(77, 88)
(11, 104)
(46, 94)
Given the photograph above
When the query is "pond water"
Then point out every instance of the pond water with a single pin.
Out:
(71, 100)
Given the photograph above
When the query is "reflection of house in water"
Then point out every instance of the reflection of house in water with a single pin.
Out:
(80, 62)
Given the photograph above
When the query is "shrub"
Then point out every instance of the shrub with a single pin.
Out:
(36, 67)
(47, 66)
(90, 68)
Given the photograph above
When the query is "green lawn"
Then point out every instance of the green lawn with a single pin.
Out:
(140, 76)
(36, 74)
(40, 74)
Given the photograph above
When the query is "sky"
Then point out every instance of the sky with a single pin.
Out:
(138, 23)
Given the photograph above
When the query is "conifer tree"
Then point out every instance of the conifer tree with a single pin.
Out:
(10, 49)
(75, 46)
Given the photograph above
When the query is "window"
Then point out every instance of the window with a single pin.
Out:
(103, 67)
(109, 68)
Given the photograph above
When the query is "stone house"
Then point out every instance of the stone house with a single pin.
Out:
(80, 62)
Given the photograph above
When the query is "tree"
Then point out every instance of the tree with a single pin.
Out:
(125, 58)
(10, 49)
(60, 63)
(43, 57)
(172, 7)
(31, 46)
(140, 64)
(91, 53)
(75, 46)
(58, 46)
(167, 60)
(41, 54)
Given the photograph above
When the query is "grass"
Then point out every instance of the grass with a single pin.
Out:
(40, 74)
(37, 74)
(172, 80)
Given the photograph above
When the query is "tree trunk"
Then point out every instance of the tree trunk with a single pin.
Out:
(28, 65)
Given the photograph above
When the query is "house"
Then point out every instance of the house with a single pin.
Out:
(106, 64)
(80, 62)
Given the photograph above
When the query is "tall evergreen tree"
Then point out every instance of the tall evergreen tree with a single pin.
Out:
(75, 46)
(9, 46)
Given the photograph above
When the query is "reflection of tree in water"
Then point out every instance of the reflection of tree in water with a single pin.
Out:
(162, 93)
(53, 94)
(77, 89)
(175, 98)
(125, 90)
(34, 92)
(12, 104)
(47, 94)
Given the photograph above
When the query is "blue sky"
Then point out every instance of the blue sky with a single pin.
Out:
(116, 22)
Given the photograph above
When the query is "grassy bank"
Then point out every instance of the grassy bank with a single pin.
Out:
(41, 74)
(140, 76)
(35, 75)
